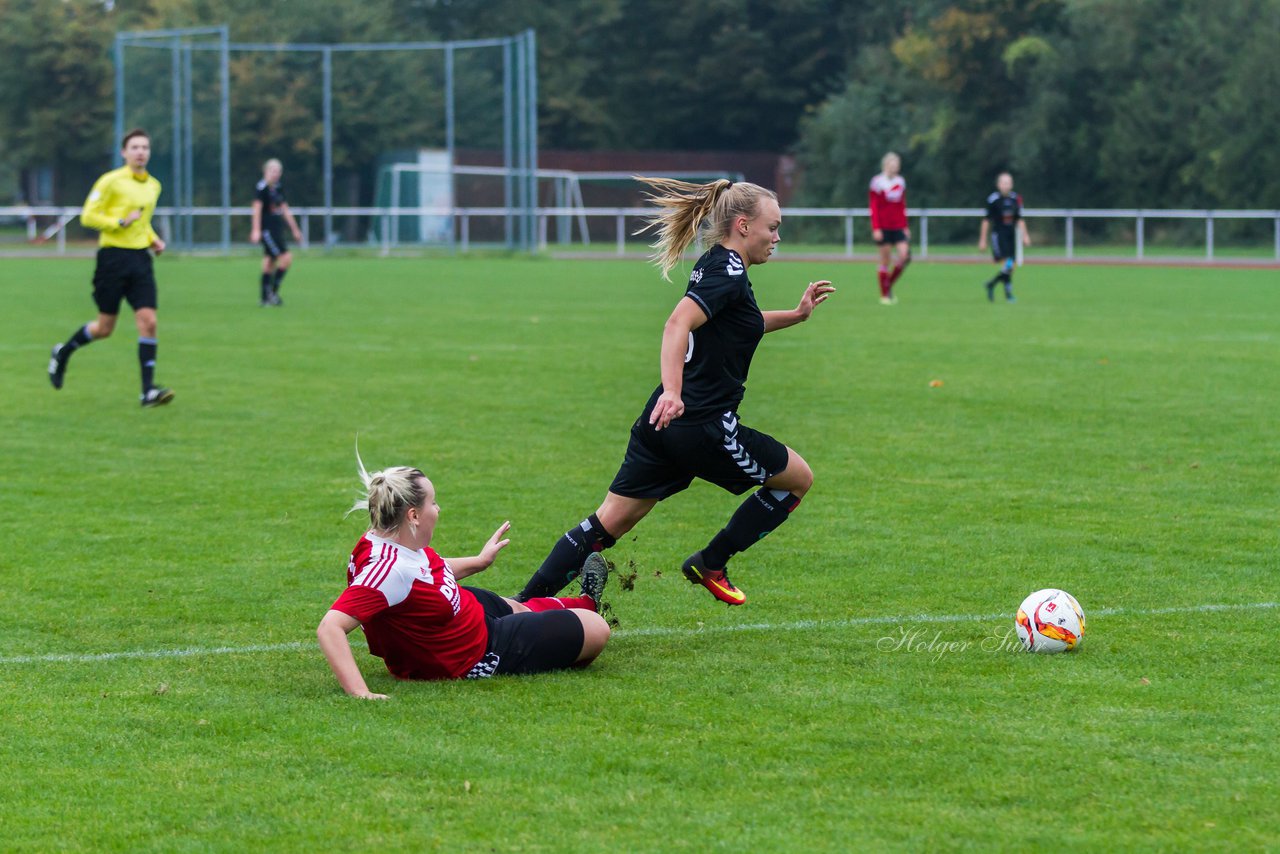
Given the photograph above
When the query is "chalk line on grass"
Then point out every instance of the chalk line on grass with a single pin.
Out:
(652, 631)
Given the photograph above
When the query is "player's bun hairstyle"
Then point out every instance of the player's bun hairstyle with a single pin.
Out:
(388, 495)
(124, 143)
(686, 207)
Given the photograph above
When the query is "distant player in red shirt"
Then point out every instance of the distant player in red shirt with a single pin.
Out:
(887, 198)
(423, 624)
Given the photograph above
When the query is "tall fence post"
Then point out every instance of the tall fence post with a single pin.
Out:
(622, 234)
(848, 235)
(924, 235)
(224, 132)
(1071, 236)
(1208, 235)
(1278, 237)
(1141, 229)
(326, 60)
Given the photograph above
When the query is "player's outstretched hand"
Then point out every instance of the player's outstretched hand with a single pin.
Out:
(369, 695)
(814, 295)
(668, 408)
(496, 543)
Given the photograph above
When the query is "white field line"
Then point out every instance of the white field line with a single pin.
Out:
(654, 631)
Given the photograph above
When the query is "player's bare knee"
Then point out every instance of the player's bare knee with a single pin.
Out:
(595, 634)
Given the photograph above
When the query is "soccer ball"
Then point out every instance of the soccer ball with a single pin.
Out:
(1050, 621)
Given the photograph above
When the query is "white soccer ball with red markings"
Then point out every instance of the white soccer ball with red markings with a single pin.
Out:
(1050, 621)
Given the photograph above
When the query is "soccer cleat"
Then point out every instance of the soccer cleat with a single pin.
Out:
(715, 580)
(57, 367)
(886, 301)
(991, 291)
(594, 576)
(157, 397)
(1010, 298)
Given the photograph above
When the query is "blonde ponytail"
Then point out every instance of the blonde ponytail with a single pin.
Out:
(686, 207)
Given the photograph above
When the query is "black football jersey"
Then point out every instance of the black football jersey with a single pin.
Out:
(272, 198)
(1003, 212)
(719, 352)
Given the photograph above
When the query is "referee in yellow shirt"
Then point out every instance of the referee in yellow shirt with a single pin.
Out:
(120, 207)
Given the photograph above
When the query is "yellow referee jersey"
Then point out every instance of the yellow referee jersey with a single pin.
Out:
(116, 195)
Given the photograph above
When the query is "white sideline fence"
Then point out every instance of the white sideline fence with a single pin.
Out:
(620, 221)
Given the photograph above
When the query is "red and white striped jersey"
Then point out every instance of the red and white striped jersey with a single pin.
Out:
(415, 616)
(887, 199)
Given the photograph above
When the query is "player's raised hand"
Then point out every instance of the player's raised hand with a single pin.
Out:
(668, 408)
(814, 295)
(496, 543)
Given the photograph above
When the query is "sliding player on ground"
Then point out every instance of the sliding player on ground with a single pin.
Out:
(120, 207)
(689, 427)
(423, 624)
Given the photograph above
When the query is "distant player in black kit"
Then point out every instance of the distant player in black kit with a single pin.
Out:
(270, 215)
(1005, 226)
(689, 427)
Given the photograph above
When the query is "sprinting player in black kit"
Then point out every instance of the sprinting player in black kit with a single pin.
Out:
(1005, 225)
(689, 427)
(270, 215)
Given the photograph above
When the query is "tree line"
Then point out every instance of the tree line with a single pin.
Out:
(1091, 103)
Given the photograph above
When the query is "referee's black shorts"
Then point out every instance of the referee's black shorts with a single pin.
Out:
(273, 242)
(660, 463)
(528, 642)
(123, 274)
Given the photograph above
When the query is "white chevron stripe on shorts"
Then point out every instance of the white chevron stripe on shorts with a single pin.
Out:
(750, 467)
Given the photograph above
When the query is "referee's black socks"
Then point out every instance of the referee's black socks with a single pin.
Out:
(265, 289)
(147, 362)
(761, 513)
(275, 284)
(566, 558)
(74, 343)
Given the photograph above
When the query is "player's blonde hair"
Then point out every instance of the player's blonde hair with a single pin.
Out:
(686, 207)
(890, 154)
(388, 494)
(274, 161)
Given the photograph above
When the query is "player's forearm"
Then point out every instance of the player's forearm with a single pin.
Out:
(256, 220)
(337, 651)
(466, 566)
(775, 320)
(95, 217)
(675, 342)
(982, 234)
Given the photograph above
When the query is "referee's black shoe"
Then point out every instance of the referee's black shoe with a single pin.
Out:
(157, 397)
(57, 367)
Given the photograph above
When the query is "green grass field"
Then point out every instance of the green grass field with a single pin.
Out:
(1113, 433)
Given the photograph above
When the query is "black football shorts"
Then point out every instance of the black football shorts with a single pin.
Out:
(660, 463)
(123, 274)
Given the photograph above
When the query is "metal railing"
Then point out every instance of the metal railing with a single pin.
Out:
(621, 222)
